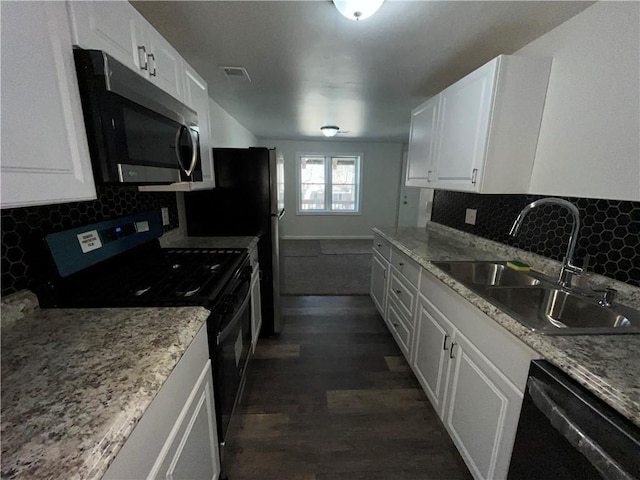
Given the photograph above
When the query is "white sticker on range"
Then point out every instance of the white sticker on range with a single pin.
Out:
(89, 241)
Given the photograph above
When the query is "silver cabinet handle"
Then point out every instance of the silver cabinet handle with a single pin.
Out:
(451, 351)
(142, 56)
(474, 176)
(152, 57)
(428, 175)
(444, 343)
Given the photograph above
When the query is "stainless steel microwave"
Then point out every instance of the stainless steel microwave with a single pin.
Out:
(137, 133)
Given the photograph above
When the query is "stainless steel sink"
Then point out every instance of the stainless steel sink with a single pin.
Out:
(558, 312)
(486, 274)
(539, 303)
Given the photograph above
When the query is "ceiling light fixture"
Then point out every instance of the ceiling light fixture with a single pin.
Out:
(330, 130)
(357, 9)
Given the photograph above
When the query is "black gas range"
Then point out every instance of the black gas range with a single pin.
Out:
(119, 263)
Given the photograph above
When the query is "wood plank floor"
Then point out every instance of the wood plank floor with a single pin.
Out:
(333, 398)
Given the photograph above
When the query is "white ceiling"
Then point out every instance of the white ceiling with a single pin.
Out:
(310, 66)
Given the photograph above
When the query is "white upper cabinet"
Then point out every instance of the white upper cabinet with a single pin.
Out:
(122, 32)
(486, 129)
(165, 67)
(196, 95)
(421, 163)
(465, 108)
(45, 157)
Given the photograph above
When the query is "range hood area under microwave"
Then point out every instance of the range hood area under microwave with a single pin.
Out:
(137, 133)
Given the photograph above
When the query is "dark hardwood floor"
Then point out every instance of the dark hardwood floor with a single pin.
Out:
(333, 398)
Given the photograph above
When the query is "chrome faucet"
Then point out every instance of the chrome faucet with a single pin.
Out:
(568, 268)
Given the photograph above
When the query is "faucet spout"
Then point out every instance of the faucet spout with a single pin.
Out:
(568, 268)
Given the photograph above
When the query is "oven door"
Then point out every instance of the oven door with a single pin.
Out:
(231, 348)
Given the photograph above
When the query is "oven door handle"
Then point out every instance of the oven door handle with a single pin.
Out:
(600, 459)
(230, 327)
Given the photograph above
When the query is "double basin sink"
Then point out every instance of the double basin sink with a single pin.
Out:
(539, 303)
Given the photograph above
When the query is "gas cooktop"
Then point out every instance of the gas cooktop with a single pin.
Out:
(134, 272)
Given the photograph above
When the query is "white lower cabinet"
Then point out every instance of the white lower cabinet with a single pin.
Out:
(379, 269)
(176, 437)
(474, 373)
(481, 410)
(433, 333)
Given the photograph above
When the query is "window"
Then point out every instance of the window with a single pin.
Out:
(328, 183)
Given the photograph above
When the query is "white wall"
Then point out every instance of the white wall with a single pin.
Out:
(226, 131)
(589, 143)
(381, 164)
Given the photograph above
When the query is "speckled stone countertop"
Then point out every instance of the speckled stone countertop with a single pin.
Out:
(607, 365)
(75, 382)
(177, 239)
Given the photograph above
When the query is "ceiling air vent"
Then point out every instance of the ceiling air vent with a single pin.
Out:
(236, 73)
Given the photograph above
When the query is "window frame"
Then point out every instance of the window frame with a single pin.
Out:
(328, 183)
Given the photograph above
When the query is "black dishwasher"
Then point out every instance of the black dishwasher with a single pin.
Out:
(565, 432)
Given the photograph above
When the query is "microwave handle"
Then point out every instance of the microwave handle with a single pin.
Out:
(177, 145)
(194, 153)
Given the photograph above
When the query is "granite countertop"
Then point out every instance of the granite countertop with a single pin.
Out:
(75, 382)
(607, 365)
(177, 239)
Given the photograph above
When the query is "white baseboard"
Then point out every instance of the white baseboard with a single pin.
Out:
(328, 237)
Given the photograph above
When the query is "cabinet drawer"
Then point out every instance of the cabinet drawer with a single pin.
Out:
(401, 327)
(405, 265)
(381, 246)
(402, 292)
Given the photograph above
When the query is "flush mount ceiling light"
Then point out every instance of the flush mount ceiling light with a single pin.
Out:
(357, 9)
(330, 130)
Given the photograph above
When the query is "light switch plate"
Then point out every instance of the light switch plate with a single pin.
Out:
(165, 216)
(470, 216)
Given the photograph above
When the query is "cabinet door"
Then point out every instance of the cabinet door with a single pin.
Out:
(166, 67)
(433, 334)
(114, 27)
(482, 410)
(196, 96)
(379, 269)
(256, 306)
(45, 157)
(191, 451)
(465, 112)
(421, 163)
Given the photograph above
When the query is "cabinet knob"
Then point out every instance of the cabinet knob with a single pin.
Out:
(398, 292)
(396, 325)
(379, 244)
(401, 264)
(451, 351)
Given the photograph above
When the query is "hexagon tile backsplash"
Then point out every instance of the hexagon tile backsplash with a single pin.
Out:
(23, 226)
(610, 231)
